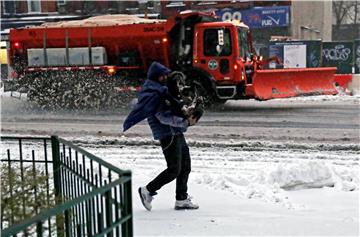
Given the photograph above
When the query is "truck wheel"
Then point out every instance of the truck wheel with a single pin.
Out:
(200, 89)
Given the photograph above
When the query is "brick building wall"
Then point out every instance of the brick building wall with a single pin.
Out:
(28, 7)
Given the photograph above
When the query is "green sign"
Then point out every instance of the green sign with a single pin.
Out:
(338, 54)
(212, 64)
(357, 56)
(313, 53)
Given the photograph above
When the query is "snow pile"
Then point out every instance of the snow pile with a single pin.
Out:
(272, 185)
(301, 175)
(345, 179)
(313, 174)
(247, 187)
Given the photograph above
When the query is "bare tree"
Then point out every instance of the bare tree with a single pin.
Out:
(340, 11)
(347, 12)
(353, 14)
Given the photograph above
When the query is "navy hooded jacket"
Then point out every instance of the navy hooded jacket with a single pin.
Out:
(151, 105)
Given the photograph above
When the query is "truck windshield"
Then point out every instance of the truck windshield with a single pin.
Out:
(211, 45)
(244, 49)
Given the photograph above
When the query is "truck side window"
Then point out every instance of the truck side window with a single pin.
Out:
(243, 43)
(211, 41)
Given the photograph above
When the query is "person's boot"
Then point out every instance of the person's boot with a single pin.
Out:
(185, 204)
(145, 197)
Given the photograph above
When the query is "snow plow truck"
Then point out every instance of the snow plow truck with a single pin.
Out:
(102, 61)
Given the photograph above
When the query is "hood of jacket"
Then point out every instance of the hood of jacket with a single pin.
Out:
(148, 102)
(157, 69)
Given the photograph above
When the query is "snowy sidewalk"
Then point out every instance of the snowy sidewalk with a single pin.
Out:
(224, 214)
(239, 191)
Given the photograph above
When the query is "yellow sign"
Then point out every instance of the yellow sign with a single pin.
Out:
(3, 53)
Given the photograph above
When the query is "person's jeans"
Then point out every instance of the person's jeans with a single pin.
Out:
(176, 152)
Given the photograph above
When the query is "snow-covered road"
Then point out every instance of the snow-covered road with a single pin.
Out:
(324, 119)
(280, 167)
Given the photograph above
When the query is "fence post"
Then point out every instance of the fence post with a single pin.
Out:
(39, 229)
(109, 213)
(127, 227)
(55, 148)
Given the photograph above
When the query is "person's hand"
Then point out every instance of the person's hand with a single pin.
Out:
(192, 121)
(187, 110)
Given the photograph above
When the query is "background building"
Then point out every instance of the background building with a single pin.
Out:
(311, 20)
(27, 7)
(304, 20)
(16, 13)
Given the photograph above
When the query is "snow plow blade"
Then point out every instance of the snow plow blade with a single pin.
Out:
(283, 83)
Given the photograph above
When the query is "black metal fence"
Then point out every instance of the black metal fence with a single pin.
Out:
(51, 187)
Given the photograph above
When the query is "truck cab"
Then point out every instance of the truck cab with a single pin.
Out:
(220, 64)
(222, 49)
(213, 54)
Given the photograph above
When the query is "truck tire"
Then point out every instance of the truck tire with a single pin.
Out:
(201, 84)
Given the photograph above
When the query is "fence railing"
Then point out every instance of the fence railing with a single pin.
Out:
(62, 190)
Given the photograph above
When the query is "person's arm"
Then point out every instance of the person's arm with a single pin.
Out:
(168, 118)
(176, 106)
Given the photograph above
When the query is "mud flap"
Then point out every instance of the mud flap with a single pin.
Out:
(283, 83)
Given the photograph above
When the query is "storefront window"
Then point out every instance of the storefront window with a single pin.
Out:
(8, 6)
(34, 6)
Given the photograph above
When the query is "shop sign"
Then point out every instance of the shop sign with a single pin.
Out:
(258, 17)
